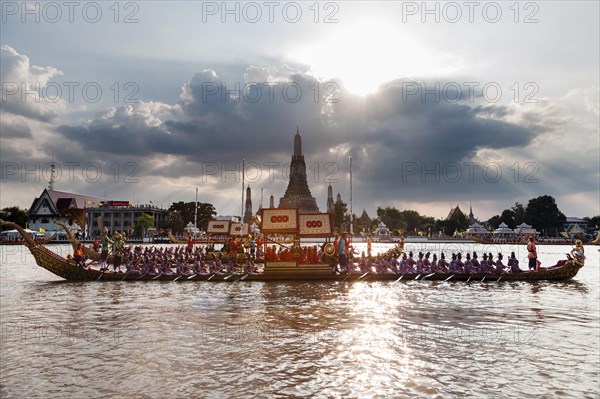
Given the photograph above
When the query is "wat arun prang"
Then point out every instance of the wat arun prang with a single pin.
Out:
(297, 194)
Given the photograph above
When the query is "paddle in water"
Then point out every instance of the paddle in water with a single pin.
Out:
(427, 276)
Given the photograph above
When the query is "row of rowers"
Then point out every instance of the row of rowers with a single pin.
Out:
(175, 261)
(426, 263)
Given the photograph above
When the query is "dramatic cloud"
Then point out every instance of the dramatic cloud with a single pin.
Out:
(403, 147)
(25, 90)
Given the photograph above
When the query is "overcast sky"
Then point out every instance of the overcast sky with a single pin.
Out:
(488, 102)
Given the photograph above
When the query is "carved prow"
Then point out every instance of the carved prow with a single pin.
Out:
(28, 240)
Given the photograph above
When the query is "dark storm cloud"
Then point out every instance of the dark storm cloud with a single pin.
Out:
(386, 133)
(217, 121)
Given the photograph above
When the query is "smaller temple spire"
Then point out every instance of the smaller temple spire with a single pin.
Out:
(248, 206)
(471, 216)
(330, 203)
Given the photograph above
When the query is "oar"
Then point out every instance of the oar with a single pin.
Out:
(448, 279)
(399, 278)
(101, 274)
(178, 277)
(483, 279)
(244, 276)
(469, 279)
(348, 275)
(125, 275)
(499, 279)
(192, 276)
(211, 276)
(363, 275)
(418, 275)
(157, 276)
(429, 275)
(227, 277)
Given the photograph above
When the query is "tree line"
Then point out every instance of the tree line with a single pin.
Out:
(541, 212)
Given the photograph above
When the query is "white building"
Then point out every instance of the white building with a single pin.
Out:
(67, 208)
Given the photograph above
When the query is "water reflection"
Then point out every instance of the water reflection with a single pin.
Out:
(333, 339)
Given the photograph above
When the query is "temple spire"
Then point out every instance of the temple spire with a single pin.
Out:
(297, 195)
(297, 143)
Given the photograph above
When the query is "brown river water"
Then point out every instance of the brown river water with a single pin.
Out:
(324, 340)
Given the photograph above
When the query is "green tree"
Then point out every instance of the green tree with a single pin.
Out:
(519, 213)
(427, 225)
(508, 217)
(412, 219)
(494, 222)
(174, 222)
(593, 222)
(340, 216)
(141, 224)
(206, 212)
(16, 215)
(543, 214)
(391, 217)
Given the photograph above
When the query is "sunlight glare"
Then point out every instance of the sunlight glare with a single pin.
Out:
(366, 57)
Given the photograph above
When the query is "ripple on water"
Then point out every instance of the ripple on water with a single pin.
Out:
(364, 339)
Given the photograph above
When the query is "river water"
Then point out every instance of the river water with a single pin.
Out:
(323, 340)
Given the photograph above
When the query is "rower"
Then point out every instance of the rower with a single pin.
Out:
(491, 263)
(427, 264)
(499, 265)
(459, 263)
(475, 262)
(452, 268)
(410, 262)
(404, 264)
(442, 263)
(513, 263)
(419, 263)
(434, 264)
(484, 263)
(468, 266)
